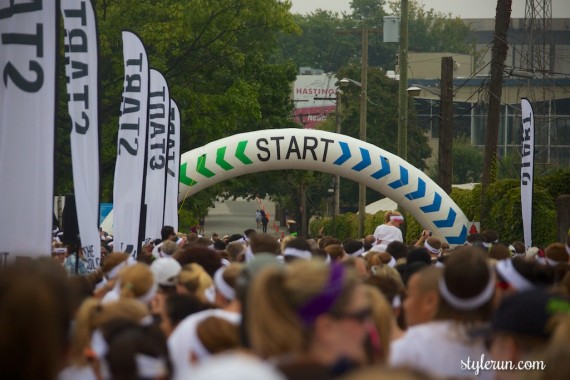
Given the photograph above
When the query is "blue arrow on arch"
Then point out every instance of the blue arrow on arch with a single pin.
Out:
(446, 222)
(345, 153)
(458, 239)
(420, 192)
(365, 160)
(434, 206)
(384, 169)
(403, 181)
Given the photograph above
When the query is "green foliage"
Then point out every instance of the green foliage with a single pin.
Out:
(431, 31)
(467, 162)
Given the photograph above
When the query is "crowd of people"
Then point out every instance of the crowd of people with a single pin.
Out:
(250, 306)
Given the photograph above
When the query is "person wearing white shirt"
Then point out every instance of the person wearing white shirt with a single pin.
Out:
(389, 231)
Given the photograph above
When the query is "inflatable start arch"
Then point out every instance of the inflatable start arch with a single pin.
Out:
(279, 149)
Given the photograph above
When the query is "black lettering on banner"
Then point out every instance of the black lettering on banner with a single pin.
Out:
(77, 41)
(327, 142)
(131, 105)
(263, 149)
(133, 83)
(158, 162)
(24, 7)
(79, 69)
(525, 178)
(277, 145)
(132, 150)
(80, 13)
(310, 148)
(293, 147)
(136, 62)
(82, 129)
(10, 71)
(156, 129)
(526, 150)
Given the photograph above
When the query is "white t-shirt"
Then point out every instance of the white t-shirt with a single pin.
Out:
(438, 348)
(180, 342)
(386, 234)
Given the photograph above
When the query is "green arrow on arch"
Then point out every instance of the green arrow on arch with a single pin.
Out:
(201, 167)
(184, 178)
(240, 153)
(220, 153)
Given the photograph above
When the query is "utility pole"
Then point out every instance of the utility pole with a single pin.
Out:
(403, 84)
(498, 57)
(445, 159)
(336, 207)
(363, 110)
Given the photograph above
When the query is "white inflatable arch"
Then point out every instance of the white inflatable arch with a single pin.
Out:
(280, 149)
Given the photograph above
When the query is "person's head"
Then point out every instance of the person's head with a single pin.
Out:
(308, 307)
(466, 287)
(368, 241)
(249, 233)
(378, 340)
(135, 351)
(499, 252)
(114, 262)
(422, 300)
(92, 314)
(394, 218)
(168, 247)
(167, 233)
(208, 259)
(397, 249)
(518, 248)
(419, 254)
(556, 253)
(264, 243)
(335, 252)
(523, 325)
(354, 248)
(490, 236)
(178, 307)
(193, 280)
(214, 335)
(137, 281)
(433, 246)
(225, 283)
(519, 274)
(59, 253)
(165, 271)
(34, 319)
(297, 249)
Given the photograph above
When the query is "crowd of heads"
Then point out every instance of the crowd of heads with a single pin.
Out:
(249, 305)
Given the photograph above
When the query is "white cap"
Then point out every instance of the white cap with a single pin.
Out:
(165, 270)
(235, 366)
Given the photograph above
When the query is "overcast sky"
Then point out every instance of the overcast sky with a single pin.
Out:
(461, 8)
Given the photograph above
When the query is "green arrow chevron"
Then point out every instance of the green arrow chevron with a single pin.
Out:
(220, 153)
(240, 153)
(184, 178)
(201, 167)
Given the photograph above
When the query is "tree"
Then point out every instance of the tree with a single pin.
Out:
(215, 55)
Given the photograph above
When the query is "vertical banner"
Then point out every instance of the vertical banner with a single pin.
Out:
(172, 168)
(81, 71)
(28, 47)
(131, 147)
(527, 168)
(158, 118)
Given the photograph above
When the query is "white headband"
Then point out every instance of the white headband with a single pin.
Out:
(357, 253)
(302, 254)
(547, 261)
(60, 250)
(210, 294)
(507, 270)
(396, 302)
(328, 259)
(99, 344)
(466, 304)
(568, 250)
(392, 262)
(148, 296)
(225, 262)
(439, 264)
(149, 367)
(222, 286)
(197, 346)
(431, 249)
(249, 255)
(115, 271)
(396, 217)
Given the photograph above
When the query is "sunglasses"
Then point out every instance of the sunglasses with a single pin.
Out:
(360, 316)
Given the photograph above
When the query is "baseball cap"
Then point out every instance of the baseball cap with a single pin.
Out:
(528, 312)
(165, 270)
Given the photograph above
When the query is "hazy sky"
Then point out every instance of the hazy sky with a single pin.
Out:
(461, 8)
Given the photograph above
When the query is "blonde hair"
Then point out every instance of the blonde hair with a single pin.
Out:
(382, 317)
(274, 326)
(284, 242)
(136, 280)
(112, 260)
(218, 335)
(92, 314)
(195, 280)
(388, 214)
